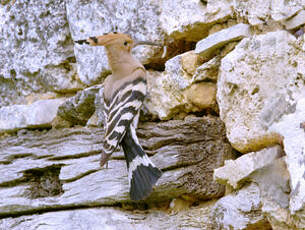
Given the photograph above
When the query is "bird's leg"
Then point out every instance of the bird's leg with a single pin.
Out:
(104, 159)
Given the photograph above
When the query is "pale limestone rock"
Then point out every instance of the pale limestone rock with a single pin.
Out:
(259, 82)
(44, 170)
(189, 62)
(176, 73)
(219, 39)
(36, 50)
(239, 210)
(111, 218)
(30, 99)
(208, 71)
(236, 172)
(99, 107)
(165, 90)
(190, 20)
(179, 204)
(289, 126)
(39, 114)
(261, 203)
(273, 181)
(171, 92)
(61, 66)
(202, 95)
(261, 11)
(296, 21)
(163, 100)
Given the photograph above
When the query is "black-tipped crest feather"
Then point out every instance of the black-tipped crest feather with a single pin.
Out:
(82, 42)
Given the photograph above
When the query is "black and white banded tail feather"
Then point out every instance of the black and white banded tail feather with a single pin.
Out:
(142, 174)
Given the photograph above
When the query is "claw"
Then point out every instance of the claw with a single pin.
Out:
(104, 159)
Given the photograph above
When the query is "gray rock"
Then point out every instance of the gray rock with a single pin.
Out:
(217, 40)
(208, 71)
(259, 82)
(191, 20)
(160, 22)
(290, 127)
(234, 172)
(273, 182)
(40, 114)
(260, 12)
(99, 108)
(172, 94)
(296, 21)
(68, 162)
(240, 210)
(261, 203)
(113, 219)
(79, 108)
(274, 109)
(36, 50)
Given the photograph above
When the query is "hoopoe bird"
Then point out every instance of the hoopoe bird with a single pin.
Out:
(124, 93)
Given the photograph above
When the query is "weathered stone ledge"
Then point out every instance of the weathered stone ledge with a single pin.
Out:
(54, 169)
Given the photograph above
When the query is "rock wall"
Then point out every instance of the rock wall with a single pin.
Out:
(224, 117)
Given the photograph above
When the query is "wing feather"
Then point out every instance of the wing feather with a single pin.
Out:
(121, 110)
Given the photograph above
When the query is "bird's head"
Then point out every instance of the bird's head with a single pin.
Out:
(118, 47)
(118, 40)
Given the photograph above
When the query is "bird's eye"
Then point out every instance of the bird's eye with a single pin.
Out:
(125, 43)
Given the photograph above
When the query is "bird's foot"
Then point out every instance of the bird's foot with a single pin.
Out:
(104, 159)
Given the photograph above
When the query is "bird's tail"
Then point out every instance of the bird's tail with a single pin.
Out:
(142, 174)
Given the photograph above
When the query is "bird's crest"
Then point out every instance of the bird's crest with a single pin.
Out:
(106, 39)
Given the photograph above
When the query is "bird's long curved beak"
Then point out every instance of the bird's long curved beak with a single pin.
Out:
(136, 43)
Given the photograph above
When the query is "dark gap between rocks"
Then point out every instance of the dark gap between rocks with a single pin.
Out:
(44, 182)
(174, 48)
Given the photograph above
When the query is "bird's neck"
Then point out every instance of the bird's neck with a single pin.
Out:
(122, 62)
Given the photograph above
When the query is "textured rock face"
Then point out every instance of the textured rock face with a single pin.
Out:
(58, 65)
(258, 83)
(172, 92)
(216, 40)
(37, 115)
(36, 51)
(263, 199)
(240, 210)
(151, 21)
(114, 218)
(234, 172)
(258, 12)
(177, 23)
(78, 109)
(296, 21)
(187, 152)
(250, 53)
(290, 127)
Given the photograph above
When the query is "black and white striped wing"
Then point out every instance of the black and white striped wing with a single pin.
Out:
(121, 110)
